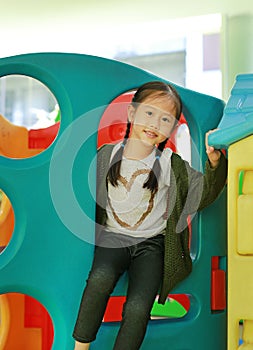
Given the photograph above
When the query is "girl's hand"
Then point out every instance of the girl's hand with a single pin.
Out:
(212, 153)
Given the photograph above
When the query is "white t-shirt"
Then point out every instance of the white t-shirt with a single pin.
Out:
(133, 210)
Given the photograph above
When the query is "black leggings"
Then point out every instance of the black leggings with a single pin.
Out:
(144, 262)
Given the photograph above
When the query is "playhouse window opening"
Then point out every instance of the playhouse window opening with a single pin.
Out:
(29, 116)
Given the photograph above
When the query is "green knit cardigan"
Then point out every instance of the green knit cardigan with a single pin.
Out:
(189, 192)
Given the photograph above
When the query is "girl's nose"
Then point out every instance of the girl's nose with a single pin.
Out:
(154, 123)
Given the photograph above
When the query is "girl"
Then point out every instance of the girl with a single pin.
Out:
(145, 193)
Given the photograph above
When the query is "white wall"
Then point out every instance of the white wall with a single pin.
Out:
(80, 25)
(101, 27)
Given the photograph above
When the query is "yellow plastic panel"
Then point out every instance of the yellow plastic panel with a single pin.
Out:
(245, 224)
(240, 241)
(247, 187)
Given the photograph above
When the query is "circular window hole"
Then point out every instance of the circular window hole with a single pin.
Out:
(24, 323)
(29, 116)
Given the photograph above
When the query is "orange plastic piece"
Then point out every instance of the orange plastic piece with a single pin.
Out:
(6, 221)
(14, 140)
(218, 286)
(5, 320)
(19, 337)
(28, 324)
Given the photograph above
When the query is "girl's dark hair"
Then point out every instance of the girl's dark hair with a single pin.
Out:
(160, 89)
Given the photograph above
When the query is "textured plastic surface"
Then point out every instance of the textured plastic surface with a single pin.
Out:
(237, 121)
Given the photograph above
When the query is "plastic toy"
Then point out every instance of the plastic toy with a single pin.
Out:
(235, 133)
(50, 252)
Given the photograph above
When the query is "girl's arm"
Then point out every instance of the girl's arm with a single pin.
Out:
(203, 189)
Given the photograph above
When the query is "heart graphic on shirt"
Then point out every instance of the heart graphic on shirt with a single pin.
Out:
(128, 193)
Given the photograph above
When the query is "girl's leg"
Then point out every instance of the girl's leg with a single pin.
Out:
(81, 346)
(108, 265)
(145, 274)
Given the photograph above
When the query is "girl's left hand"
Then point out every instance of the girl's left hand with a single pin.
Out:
(212, 153)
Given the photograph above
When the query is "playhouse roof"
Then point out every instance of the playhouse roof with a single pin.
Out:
(237, 120)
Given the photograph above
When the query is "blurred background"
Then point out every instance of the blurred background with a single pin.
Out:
(200, 45)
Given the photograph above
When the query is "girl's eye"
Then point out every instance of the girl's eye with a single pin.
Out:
(149, 113)
(166, 120)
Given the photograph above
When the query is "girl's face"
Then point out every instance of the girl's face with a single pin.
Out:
(152, 120)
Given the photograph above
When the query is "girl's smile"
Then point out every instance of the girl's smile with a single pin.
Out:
(150, 134)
